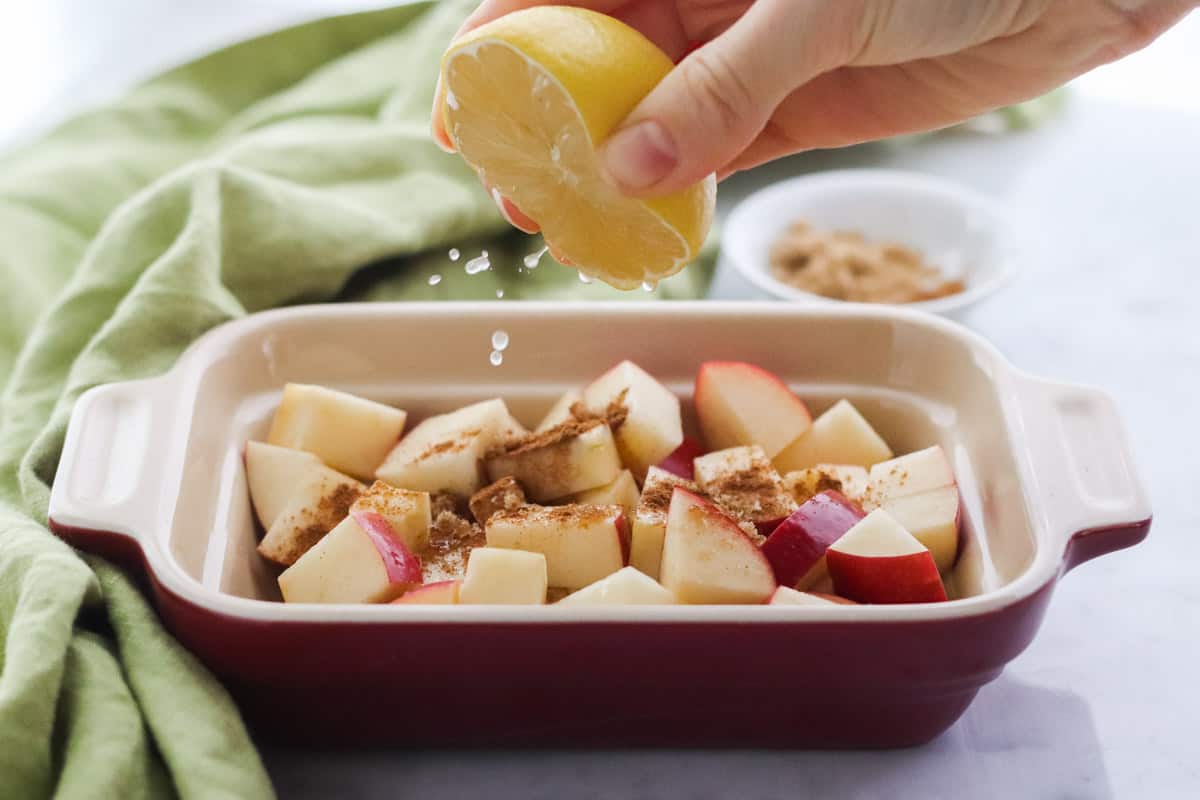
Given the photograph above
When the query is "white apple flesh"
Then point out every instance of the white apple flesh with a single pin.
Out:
(273, 474)
(707, 559)
(741, 404)
(650, 519)
(315, 507)
(498, 576)
(933, 518)
(625, 587)
(786, 596)
(841, 435)
(653, 425)
(621, 491)
(582, 544)
(560, 412)
(349, 433)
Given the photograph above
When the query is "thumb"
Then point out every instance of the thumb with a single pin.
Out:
(713, 104)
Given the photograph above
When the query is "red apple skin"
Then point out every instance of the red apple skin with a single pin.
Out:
(799, 542)
(911, 578)
(420, 589)
(680, 462)
(402, 565)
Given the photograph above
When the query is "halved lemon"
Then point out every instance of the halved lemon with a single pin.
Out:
(529, 97)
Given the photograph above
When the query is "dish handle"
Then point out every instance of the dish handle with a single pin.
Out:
(107, 490)
(1084, 471)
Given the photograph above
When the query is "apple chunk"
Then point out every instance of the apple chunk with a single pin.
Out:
(650, 519)
(744, 484)
(560, 412)
(839, 436)
(878, 561)
(362, 560)
(849, 480)
(742, 404)
(348, 433)
(407, 512)
(445, 453)
(273, 474)
(681, 461)
(796, 549)
(621, 491)
(932, 517)
(785, 596)
(582, 544)
(910, 474)
(570, 458)
(708, 559)
(625, 587)
(315, 507)
(504, 577)
(653, 425)
(442, 593)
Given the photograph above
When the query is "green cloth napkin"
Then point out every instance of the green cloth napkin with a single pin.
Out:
(270, 173)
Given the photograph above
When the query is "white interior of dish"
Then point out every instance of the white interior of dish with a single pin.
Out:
(957, 231)
(918, 383)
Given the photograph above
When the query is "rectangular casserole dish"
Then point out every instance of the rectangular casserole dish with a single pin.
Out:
(151, 476)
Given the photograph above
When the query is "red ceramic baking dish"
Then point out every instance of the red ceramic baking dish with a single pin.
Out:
(151, 476)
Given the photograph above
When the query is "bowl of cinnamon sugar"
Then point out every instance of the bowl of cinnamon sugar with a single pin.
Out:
(871, 236)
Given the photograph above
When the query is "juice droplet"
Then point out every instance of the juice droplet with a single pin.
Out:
(499, 293)
(499, 340)
(454, 254)
(434, 280)
(497, 358)
(647, 286)
(531, 260)
(451, 100)
(478, 264)
(584, 278)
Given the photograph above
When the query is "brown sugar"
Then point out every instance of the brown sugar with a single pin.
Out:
(744, 484)
(503, 495)
(451, 539)
(440, 502)
(843, 265)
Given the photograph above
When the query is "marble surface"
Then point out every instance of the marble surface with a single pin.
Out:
(1106, 199)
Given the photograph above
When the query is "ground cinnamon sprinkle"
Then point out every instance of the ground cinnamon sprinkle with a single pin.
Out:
(844, 266)
(460, 442)
(451, 539)
(744, 484)
(615, 413)
(547, 438)
(503, 495)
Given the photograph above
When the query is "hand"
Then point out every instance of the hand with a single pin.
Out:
(775, 77)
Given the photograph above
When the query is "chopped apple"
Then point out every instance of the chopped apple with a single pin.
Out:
(653, 425)
(362, 560)
(442, 593)
(910, 474)
(650, 519)
(741, 404)
(560, 412)
(786, 596)
(708, 559)
(849, 480)
(498, 576)
(933, 518)
(445, 453)
(744, 484)
(582, 544)
(348, 433)
(681, 461)
(839, 436)
(273, 475)
(315, 508)
(621, 491)
(503, 495)
(625, 587)
(878, 561)
(919, 490)
(796, 548)
(406, 511)
(553, 464)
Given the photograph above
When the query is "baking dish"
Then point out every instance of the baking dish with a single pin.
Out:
(151, 476)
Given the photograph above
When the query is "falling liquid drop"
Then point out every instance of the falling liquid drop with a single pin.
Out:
(531, 260)
(499, 293)
(478, 264)
(499, 340)
(497, 358)
(434, 280)
(584, 278)
(647, 286)
(454, 254)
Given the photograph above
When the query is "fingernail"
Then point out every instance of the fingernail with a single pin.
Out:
(640, 156)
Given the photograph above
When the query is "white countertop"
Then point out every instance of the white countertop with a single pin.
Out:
(1106, 197)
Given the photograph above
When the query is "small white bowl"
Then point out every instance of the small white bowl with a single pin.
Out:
(957, 230)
